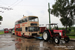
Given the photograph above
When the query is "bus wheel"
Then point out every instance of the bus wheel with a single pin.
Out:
(23, 35)
(16, 34)
(13, 33)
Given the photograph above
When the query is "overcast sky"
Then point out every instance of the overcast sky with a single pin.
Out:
(27, 8)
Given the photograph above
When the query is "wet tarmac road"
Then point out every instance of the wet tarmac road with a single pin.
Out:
(12, 42)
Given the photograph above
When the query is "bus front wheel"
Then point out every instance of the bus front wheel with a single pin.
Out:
(23, 35)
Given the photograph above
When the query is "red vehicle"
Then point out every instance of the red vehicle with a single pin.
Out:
(6, 30)
(54, 34)
(42, 29)
(28, 26)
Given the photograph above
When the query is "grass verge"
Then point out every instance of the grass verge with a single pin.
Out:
(1, 32)
(71, 36)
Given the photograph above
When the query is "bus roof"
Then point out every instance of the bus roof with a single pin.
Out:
(5, 28)
(29, 16)
(25, 17)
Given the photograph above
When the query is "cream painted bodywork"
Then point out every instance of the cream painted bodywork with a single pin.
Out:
(28, 24)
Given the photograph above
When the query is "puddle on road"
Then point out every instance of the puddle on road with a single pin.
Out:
(6, 40)
(32, 44)
(12, 42)
(12, 47)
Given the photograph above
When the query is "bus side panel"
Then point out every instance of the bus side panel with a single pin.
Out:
(26, 34)
(16, 32)
(19, 33)
(17, 26)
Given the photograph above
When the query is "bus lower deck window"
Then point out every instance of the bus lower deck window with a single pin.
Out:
(26, 29)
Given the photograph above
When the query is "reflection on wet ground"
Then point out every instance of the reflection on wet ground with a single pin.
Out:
(6, 42)
(12, 42)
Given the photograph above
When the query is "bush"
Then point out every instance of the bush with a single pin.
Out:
(0, 18)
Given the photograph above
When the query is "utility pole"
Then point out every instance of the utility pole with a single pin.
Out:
(49, 16)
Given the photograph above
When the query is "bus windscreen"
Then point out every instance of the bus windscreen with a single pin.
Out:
(35, 19)
(32, 29)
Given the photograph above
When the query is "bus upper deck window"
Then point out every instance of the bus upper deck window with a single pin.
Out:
(23, 20)
(34, 19)
(20, 21)
(26, 20)
(16, 23)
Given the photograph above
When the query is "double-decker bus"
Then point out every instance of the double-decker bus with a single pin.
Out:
(6, 30)
(28, 26)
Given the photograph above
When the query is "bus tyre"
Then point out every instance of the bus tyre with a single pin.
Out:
(13, 33)
(16, 34)
(66, 39)
(57, 40)
(46, 35)
(23, 35)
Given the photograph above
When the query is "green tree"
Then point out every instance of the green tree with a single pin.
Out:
(0, 18)
(69, 22)
(66, 10)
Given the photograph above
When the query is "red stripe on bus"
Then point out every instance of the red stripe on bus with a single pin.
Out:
(17, 26)
(24, 23)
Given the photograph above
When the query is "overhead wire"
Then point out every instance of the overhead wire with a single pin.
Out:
(6, 8)
(3, 2)
(14, 3)
(32, 5)
(17, 3)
